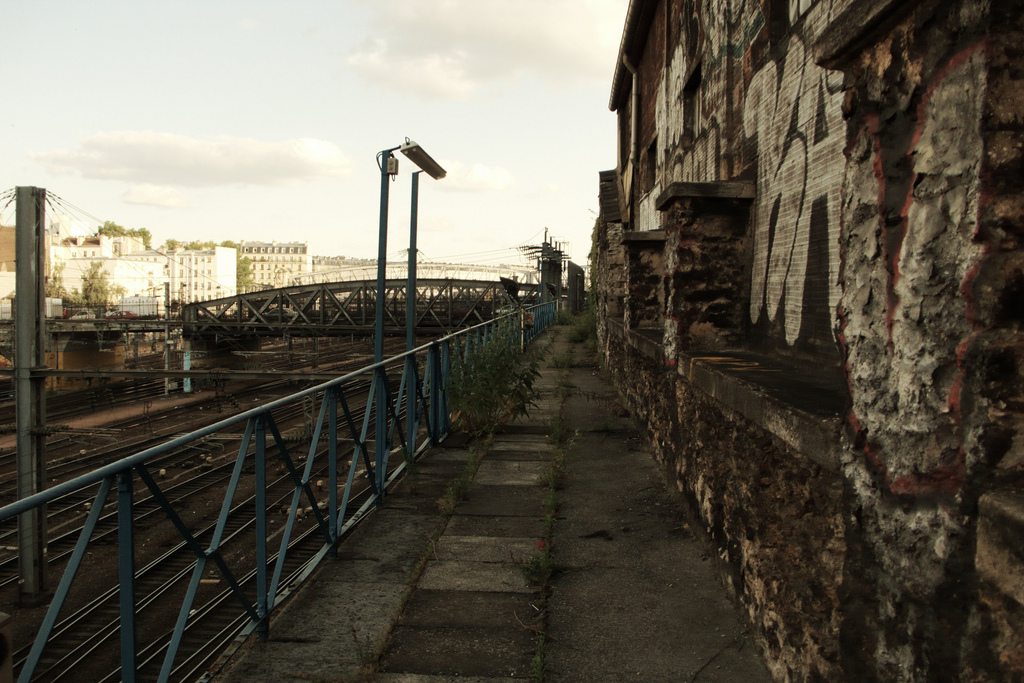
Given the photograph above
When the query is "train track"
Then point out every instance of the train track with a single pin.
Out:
(214, 624)
(80, 643)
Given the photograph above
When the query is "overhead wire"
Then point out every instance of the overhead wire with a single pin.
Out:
(61, 205)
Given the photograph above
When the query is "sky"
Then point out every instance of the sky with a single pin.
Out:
(262, 120)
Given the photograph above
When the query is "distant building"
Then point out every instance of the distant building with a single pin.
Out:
(274, 263)
(193, 275)
(202, 274)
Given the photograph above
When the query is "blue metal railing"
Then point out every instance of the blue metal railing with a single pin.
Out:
(422, 392)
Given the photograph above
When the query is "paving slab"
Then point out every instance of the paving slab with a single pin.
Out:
(498, 525)
(514, 501)
(532, 455)
(534, 425)
(484, 577)
(469, 609)
(509, 473)
(505, 437)
(473, 651)
(423, 678)
(634, 573)
(299, 634)
(501, 549)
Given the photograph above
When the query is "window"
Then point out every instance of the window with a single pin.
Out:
(651, 167)
(691, 107)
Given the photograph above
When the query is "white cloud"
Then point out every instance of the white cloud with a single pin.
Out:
(155, 195)
(448, 48)
(425, 75)
(178, 160)
(475, 177)
(553, 188)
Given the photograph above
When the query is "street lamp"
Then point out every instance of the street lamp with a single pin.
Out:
(388, 167)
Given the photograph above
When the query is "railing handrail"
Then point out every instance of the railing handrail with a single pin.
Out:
(422, 393)
(23, 505)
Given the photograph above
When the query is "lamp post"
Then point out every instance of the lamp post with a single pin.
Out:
(389, 167)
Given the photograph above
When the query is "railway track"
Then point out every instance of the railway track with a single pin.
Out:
(80, 643)
(83, 640)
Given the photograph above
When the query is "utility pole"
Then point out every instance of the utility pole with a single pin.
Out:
(29, 390)
(549, 266)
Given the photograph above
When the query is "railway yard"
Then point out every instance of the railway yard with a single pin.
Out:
(111, 420)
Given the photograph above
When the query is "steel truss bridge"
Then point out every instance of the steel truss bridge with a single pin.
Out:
(349, 307)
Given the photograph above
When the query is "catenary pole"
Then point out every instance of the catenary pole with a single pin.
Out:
(30, 395)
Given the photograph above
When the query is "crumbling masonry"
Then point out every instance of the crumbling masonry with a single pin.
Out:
(810, 288)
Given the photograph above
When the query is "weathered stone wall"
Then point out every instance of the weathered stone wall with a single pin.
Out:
(884, 139)
(775, 516)
(706, 266)
(925, 349)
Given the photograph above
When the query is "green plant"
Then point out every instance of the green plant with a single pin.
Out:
(584, 327)
(563, 361)
(539, 569)
(492, 384)
(459, 487)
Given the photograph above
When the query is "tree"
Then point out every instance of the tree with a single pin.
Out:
(244, 278)
(55, 282)
(96, 289)
(112, 229)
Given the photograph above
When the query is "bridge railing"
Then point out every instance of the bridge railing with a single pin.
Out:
(421, 398)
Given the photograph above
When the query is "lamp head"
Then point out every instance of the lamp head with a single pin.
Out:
(418, 156)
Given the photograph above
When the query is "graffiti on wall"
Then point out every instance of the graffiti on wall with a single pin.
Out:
(793, 112)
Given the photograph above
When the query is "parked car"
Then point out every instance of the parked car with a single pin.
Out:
(83, 315)
(122, 315)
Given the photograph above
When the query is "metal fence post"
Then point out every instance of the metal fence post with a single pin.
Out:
(263, 627)
(412, 391)
(446, 374)
(380, 433)
(434, 362)
(126, 573)
(332, 466)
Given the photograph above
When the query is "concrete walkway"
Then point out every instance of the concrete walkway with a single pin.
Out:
(596, 579)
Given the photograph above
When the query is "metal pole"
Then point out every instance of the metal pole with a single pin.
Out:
(380, 403)
(410, 296)
(382, 248)
(30, 395)
(412, 389)
(262, 606)
(126, 573)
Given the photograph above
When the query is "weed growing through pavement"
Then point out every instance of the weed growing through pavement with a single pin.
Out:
(542, 568)
(458, 488)
(491, 383)
(538, 665)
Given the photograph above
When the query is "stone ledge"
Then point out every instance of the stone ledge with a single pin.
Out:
(634, 236)
(648, 342)
(999, 557)
(719, 190)
(805, 412)
(846, 33)
(817, 436)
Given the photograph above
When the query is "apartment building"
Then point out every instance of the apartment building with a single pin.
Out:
(193, 275)
(274, 263)
(202, 274)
